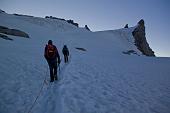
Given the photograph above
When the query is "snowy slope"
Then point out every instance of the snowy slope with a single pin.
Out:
(99, 80)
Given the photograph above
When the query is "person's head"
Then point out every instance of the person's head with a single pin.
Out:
(65, 46)
(50, 42)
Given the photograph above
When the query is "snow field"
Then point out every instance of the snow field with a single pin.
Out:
(99, 80)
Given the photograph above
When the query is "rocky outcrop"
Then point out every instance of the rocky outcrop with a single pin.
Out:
(126, 26)
(86, 27)
(22, 15)
(68, 21)
(51, 17)
(5, 37)
(82, 49)
(140, 39)
(129, 52)
(73, 23)
(1, 11)
(13, 32)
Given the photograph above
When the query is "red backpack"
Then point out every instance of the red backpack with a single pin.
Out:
(51, 51)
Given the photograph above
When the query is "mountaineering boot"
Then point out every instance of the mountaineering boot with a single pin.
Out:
(55, 77)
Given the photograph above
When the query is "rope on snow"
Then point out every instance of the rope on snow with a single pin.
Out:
(38, 93)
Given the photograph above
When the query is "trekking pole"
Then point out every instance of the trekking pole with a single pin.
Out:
(59, 66)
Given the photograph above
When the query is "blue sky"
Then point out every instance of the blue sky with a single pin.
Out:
(105, 15)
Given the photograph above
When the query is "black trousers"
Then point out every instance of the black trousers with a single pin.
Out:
(65, 58)
(53, 69)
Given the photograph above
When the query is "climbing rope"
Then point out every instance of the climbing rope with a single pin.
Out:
(38, 93)
(44, 82)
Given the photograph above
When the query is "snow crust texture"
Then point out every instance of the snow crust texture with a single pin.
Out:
(99, 80)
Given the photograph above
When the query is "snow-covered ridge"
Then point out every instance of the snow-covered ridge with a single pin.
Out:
(52, 24)
(122, 38)
(37, 25)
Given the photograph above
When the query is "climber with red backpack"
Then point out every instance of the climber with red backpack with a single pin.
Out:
(53, 58)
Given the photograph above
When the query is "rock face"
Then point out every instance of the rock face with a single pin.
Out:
(68, 21)
(13, 32)
(126, 26)
(5, 37)
(1, 11)
(140, 39)
(87, 27)
(73, 23)
(51, 17)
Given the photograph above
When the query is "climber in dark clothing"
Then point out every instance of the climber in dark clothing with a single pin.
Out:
(52, 56)
(65, 53)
